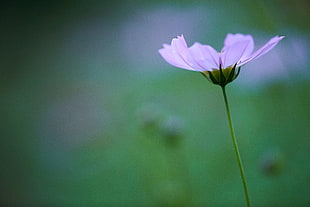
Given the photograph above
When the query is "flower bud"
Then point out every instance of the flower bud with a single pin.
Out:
(149, 116)
(173, 128)
(272, 162)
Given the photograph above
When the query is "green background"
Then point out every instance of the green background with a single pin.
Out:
(91, 115)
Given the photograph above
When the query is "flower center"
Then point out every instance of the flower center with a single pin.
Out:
(222, 76)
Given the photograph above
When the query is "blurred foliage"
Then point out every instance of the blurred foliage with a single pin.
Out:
(81, 127)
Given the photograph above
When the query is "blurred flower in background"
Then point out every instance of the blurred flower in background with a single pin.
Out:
(280, 65)
(150, 27)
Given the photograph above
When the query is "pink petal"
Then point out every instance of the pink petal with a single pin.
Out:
(263, 50)
(232, 54)
(205, 56)
(234, 38)
(172, 57)
(179, 45)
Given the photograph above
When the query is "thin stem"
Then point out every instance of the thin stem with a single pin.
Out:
(236, 148)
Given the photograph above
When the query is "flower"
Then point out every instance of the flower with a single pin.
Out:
(218, 67)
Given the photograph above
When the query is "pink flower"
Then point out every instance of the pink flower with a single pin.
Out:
(219, 67)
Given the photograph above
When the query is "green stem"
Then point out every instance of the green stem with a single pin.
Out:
(236, 148)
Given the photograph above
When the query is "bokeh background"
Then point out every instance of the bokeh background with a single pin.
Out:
(91, 115)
